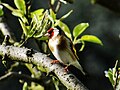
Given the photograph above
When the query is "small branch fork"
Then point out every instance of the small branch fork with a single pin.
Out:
(6, 30)
(21, 55)
(56, 7)
(23, 77)
(18, 75)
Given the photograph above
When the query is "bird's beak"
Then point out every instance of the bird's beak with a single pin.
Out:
(47, 35)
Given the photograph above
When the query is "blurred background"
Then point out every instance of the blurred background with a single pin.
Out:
(104, 22)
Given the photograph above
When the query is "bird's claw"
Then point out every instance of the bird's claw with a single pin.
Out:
(54, 61)
(66, 69)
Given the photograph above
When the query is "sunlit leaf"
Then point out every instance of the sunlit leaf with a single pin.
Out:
(115, 68)
(25, 31)
(37, 12)
(112, 75)
(52, 2)
(4, 63)
(20, 4)
(118, 85)
(56, 82)
(8, 6)
(70, 1)
(20, 14)
(43, 38)
(79, 29)
(64, 27)
(38, 87)
(51, 19)
(83, 46)
(109, 74)
(1, 12)
(25, 86)
(41, 29)
(118, 68)
(77, 41)
(52, 14)
(91, 38)
(66, 15)
(63, 1)
(17, 13)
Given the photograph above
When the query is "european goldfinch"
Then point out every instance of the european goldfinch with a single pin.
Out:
(62, 48)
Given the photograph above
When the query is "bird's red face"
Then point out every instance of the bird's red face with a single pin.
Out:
(50, 33)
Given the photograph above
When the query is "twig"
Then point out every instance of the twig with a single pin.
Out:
(58, 6)
(54, 7)
(50, 5)
(20, 76)
(116, 81)
(40, 59)
(6, 30)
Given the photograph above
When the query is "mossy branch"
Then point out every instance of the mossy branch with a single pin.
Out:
(42, 60)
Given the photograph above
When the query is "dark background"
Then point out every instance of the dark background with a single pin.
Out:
(104, 23)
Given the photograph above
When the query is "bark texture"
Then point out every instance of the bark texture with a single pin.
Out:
(42, 60)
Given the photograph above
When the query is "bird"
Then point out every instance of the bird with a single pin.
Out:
(62, 48)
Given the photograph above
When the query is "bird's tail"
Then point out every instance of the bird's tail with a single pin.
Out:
(77, 65)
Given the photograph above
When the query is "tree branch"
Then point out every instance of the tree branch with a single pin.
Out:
(20, 76)
(24, 77)
(6, 30)
(40, 59)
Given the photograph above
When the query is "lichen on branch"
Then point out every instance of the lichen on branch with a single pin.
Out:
(42, 60)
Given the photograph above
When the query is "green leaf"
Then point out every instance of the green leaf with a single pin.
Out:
(38, 87)
(17, 13)
(4, 63)
(91, 38)
(79, 29)
(56, 82)
(64, 27)
(112, 75)
(8, 6)
(20, 14)
(25, 86)
(35, 86)
(83, 46)
(79, 41)
(52, 14)
(93, 1)
(63, 1)
(52, 2)
(66, 15)
(1, 12)
(43, 38)
(25, 31)
(37, 12)
(20, 4)
(109, 74)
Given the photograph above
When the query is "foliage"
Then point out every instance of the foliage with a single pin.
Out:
(114, 76)
(1, 10)
(93, 1)
(33, 86)
(35, 24)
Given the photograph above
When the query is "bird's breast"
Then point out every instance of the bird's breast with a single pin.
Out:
(53, 44)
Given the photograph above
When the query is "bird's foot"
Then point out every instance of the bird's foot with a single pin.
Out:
(48, 55)
(66, 69)
(54, 61)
